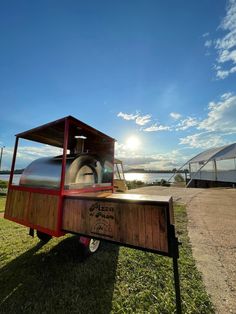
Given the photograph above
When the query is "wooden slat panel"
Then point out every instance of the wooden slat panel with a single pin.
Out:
(134, 216)
(141, 225)
(148, 223)
(17, 204)
(43, 210)
(156, 235)
(162, 226)
(71, 216)
(8, 207)
(32, 208)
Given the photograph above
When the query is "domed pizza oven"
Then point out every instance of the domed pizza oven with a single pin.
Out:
(81, 172)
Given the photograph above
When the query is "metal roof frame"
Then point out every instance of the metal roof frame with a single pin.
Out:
(218, 153)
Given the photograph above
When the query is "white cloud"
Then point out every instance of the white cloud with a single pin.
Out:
(157, 128)
(142, 120)
(219, 123)
(205, 35)
(208, 43)
(226, 96)
(139, 119)
(26, 154)
(175, 115)
(202, 140)
(30, 152)
(127, 116)
(222, 74)
(226, 55)
(221, 116)
(187, 123)
(226, 45)
(169, 160)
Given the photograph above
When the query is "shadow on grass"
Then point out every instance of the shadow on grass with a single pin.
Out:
(55, 281)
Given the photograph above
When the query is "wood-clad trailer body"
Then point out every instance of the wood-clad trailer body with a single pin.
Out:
(40, 207)
(92, 210)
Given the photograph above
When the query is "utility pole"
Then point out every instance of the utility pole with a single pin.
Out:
(2, 147)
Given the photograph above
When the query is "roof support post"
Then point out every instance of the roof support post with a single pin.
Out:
(215, 169)
(13, 161)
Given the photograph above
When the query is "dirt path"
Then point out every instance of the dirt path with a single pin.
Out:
(212, 231)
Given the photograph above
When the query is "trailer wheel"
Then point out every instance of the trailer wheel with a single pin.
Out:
(93, 246)
(89, 246)
(44, 237)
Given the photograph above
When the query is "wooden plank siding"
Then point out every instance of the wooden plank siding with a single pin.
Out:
(34, 209)
(135, 220)
(133, 223)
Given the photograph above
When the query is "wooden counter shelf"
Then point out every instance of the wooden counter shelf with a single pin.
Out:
(130, 219)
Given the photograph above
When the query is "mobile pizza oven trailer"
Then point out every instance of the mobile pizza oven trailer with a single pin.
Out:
(73, 192)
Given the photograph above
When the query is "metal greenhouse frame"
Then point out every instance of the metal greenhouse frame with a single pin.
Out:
(213, 167)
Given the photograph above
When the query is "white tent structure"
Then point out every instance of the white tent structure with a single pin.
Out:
(213, 167)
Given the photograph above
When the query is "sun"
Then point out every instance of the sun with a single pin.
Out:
(133, 142)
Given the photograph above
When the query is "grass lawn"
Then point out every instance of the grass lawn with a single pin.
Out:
(2, 203)
(36, 278)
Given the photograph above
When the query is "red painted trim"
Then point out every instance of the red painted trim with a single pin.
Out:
(87, 190)
(63, 173)
(13, 162)
(54, 233)
(84, 240)
(63, 166)
(34, 190)
(113, 162)
(56, 192)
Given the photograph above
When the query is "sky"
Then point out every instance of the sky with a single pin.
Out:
(158, 76)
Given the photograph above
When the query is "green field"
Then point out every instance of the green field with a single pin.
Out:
(36, 278)
(2, 203)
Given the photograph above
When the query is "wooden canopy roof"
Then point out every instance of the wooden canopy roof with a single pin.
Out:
(53, 133)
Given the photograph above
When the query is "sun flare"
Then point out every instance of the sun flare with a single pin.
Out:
(133, 142)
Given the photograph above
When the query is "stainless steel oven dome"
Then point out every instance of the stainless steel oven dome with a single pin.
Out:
(81, 171)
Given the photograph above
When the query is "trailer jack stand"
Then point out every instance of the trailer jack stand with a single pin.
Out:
(31, 232)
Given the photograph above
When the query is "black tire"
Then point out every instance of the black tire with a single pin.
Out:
(44, 237)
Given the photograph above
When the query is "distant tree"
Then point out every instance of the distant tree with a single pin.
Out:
(3, 184)
(134, 184)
